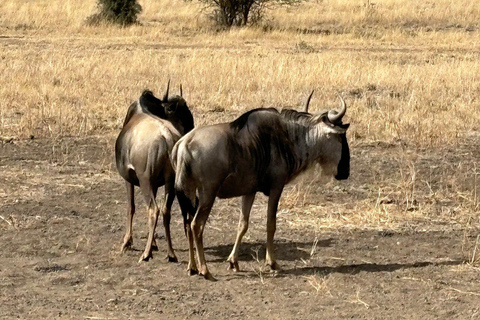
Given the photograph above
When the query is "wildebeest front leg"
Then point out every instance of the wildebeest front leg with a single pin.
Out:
(128, 239)
(247, 202)
(169, 197)
(271, 227)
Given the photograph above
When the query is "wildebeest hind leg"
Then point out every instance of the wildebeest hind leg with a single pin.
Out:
(128, 239)
(188, 211)
(198, 225)
(247, 202)
(152, 213)
(169, 197)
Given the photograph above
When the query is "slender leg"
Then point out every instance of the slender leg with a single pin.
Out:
(188, 211)
(247, 202)
(271, 227)
(198, 225)
(154, 242)
(152, 212)
(169, 197)
(128, 239)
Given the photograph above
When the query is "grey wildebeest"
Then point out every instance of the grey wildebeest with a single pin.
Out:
(142, 151)
(261, 151)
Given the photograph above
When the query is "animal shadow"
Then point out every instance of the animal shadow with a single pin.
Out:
(368, 267)
(287, 250)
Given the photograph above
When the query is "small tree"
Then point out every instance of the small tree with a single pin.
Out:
(123, 12)
(230, 13)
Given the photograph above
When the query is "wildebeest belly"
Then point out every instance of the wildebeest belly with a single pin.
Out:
(237, 184)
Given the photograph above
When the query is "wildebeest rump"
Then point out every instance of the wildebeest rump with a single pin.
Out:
(262, 151)
(142, 151)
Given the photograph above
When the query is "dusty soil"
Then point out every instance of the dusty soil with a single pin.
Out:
(62, 222)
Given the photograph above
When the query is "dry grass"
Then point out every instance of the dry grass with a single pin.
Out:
(416, 74)
(408, 71)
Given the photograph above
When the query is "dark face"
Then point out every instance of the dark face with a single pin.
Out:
(343, 169)
(177, 111)
(170, 108)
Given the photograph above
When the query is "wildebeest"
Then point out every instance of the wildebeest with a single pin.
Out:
(262, 151)
(150, 130)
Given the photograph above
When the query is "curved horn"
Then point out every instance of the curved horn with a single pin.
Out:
(181, 91)
(165, 97)
(308, 101)
(335, 117)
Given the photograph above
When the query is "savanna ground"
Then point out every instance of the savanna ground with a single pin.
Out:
(399, 239)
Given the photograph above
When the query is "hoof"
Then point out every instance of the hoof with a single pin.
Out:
(273, 266)
(127, 245)
(233, 266)
(145, 257)
(154, 247)
(192, 272)
(209, 277)
(172, 258)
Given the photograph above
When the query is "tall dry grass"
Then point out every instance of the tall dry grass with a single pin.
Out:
(407, 69)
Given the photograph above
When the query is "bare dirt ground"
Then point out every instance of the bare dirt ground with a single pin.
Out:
(62, 224)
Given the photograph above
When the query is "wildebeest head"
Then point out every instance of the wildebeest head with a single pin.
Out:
(336, 155)
(177, 111)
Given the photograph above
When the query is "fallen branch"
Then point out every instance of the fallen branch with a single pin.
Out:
(465, 292)
(5, 220)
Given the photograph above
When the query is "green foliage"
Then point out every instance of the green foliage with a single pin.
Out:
(123, 12)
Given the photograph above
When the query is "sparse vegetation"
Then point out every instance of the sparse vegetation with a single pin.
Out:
(399, 237)
(230, 13)
(122, 12)
(412, 91)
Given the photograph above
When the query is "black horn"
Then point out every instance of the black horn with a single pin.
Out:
(334, 116)
(181, 91)
(308, 101)
(165, 97)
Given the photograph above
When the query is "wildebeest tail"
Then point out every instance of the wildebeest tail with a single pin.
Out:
(184, 182)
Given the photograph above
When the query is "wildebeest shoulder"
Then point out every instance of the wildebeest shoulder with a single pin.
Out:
(258, 133)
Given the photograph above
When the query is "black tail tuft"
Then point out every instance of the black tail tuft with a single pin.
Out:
(188, 210)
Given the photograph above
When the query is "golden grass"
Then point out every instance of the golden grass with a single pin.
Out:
(407, 69)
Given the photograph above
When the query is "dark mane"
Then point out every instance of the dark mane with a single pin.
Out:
(148, 103)
(151, 104)
(240, 122)
(259, 137)
(297, 116)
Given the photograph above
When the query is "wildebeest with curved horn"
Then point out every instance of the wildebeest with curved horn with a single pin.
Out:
(262, 151)
(142, 151)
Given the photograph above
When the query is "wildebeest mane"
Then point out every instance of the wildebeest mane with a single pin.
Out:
(147, 103)
(151, 104)
(257, 140)
(241, 121)
(297, 116)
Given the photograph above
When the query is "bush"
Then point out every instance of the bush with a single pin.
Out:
(230, 13)
(123, 12)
